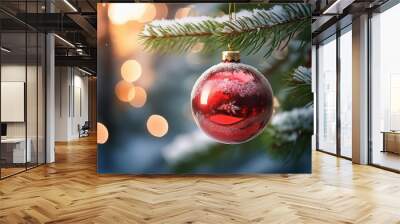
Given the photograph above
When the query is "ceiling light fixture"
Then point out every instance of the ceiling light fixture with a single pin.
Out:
(64, 40)
(337, 7)
(5, 50)
(70, 5)
(84, 71)
(329, 9)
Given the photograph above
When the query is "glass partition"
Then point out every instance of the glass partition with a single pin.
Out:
(22, 88)
(13, 105)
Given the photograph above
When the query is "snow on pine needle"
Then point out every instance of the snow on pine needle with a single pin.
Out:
(249, 31)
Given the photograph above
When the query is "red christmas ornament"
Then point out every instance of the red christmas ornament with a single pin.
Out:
(232, 102)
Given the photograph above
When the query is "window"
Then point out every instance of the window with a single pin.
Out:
(334, 106)
(326, 60)
(346, 92)
(385, 89)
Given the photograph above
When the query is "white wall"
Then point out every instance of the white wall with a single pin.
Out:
(16, 73)
(80, 110)
(61, 103)
(71, 94)
(33, 127)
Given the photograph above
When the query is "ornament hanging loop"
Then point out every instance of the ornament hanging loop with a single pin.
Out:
(230, 11)
(231, 55)
(232, 16)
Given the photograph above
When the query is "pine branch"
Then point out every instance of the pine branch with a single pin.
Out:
(250, 31)
(179, 35)
(289, 133)
(274, 27)
(300, 86)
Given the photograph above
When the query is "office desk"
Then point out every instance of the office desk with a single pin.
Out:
(391, 141)
(13, 150)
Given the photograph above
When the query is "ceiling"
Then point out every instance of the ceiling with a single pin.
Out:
(76, 20)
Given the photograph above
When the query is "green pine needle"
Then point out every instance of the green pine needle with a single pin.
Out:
(300, 86)
(250, 31)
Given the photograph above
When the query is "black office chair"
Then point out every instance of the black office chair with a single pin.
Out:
(84, 130)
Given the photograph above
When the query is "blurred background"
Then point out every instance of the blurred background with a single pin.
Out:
(145, 122)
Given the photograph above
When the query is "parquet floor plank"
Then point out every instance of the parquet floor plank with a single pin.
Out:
(70, 191)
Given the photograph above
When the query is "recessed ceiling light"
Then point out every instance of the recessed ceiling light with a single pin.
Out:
(337, 7)
(5, 50)
(64, 40)
(70, 5)
(84, 71)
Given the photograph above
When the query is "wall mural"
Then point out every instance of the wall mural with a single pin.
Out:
(204, 88)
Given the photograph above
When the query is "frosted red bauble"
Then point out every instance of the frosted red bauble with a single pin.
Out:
(232, 102)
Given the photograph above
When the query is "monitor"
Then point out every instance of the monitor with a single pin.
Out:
(3, 129)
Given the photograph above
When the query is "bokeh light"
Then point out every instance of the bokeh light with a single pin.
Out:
(124, 91)
(102, 133)
(121, 13)
(102, 19)
(125, 38)
(197, 47)
(149, 14)
(140, 97)
(219, 13)
(182, 12)
(157, 125)
(131, 70)
(276, 104)
(148, 74)
(162, 10)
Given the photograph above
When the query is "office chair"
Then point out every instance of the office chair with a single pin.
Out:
(84, 130)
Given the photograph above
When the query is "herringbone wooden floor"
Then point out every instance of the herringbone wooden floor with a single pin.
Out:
(70, 191)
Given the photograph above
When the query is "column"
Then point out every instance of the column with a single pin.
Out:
(360, 90)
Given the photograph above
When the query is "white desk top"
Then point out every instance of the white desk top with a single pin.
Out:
(13, 140)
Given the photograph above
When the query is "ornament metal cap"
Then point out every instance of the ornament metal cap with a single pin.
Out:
(231, 56)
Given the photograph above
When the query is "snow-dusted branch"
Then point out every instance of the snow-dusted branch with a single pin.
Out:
(249, 31)
(300, 86)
